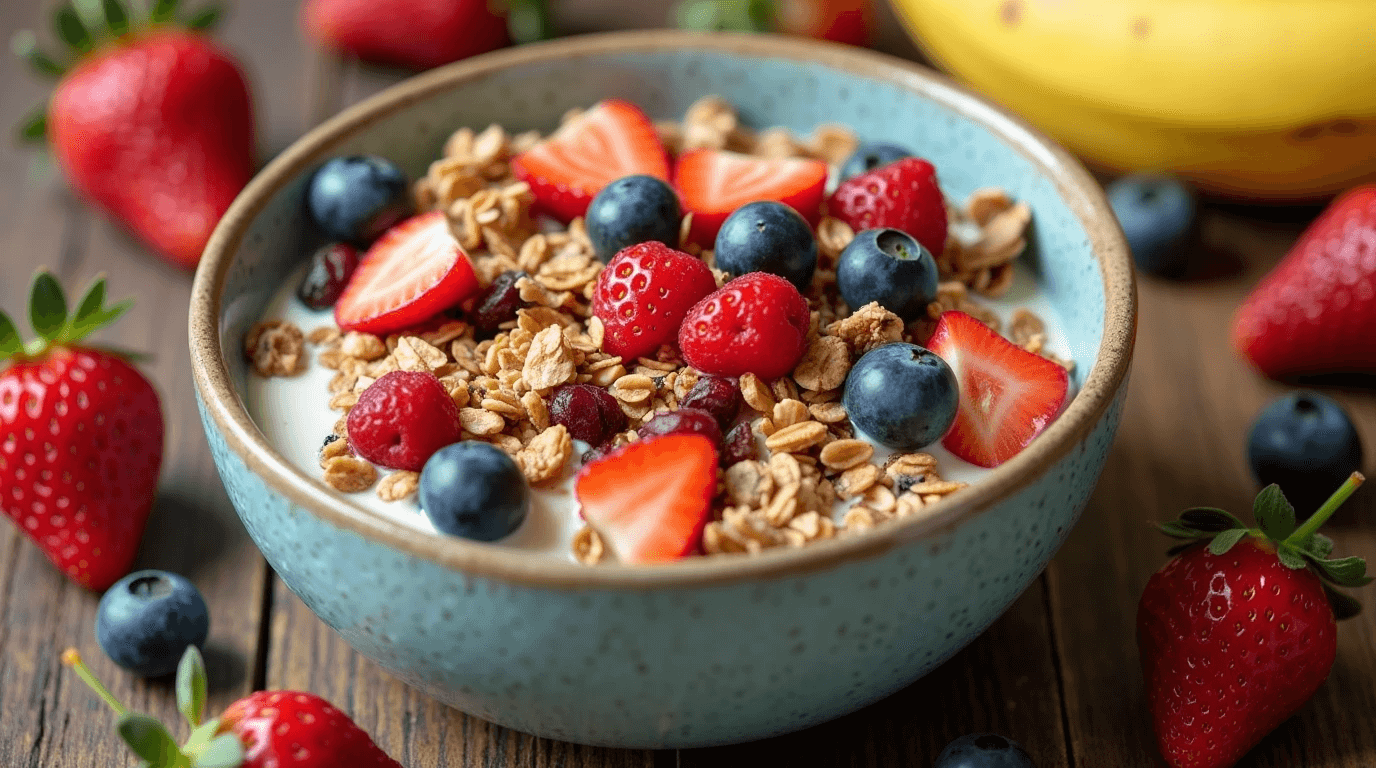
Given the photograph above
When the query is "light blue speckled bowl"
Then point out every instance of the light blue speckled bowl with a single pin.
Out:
(708, 650)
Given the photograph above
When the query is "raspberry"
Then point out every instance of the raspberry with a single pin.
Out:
(683, 421)
(588, 412)
(643, 294)
(756, 324)
(719, 396)
(402, 419)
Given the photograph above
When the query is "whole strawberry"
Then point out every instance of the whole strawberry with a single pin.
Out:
(417, 34)
(80, 438)
(901, 195)
(150, 122)
(267, 729)
(1238, 631)
(642, 295)
(1314, 312)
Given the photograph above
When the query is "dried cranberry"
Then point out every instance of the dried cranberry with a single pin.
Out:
(718, 395)
(683, 421)
(589, 413)
(739, 445)
(593, 454)
(499, 303)
(328, 273)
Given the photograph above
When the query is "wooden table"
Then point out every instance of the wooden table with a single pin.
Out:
(1058, 672)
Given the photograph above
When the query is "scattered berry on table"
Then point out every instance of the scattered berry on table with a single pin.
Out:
(1314, 312)
(642, 295)
(756, 323)
(714, 183)
(416, 34)
(148, 618)
(902, 396)
(81, 438)
(587, 411)
(474, 490)
(356, 199)
(984, 750)
(739, 445)
(902, 195)
(329, 271)
(402, 419)
(499, 303)
(1008, 395)
(1305, 443)
(890, 267)
(1156, 213)
(650, 499)
(412, 273)
(718, 395)
(611, 140)
(868, 157)
(691, 421)
(630, 211)
(768, 236)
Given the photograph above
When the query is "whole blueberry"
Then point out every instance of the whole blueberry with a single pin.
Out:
(890, 267)
(632, 210)
(983, 750)
(1305, 443)
(474, 490)
(329, 271)
(902, 395)
(1156, 213)
(148, 618)
(867, 157)
(357, 198)
(767, 237)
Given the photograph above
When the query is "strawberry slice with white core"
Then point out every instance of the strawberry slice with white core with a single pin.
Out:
(611, 140)
(413, 272)
(714, 183)
(1007, 394)
(650, 499)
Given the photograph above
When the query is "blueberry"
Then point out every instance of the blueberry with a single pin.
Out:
(984, 750)
(632, 210)
(767, 237)
(356, 199)
(1305, 443)
(148, 618)
(890, 267)
(867, 157)
(330, 269)
(902, 395)
(474, 490)
(1155, 213)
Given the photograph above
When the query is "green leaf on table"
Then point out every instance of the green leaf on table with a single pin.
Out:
(226, 751)
(24, 44)
(163, 11)
(1210, 519)
(1274, 513)
(205, 18)
(1225, 541)
(1345, 572)
(191, 686)
(744, 16)
(148, 739)
(34, 128)
(116, 17)
(70, 30)
(47, 306)
(11, 343)
(528, 20)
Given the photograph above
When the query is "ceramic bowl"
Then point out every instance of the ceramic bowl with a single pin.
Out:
(706, 650)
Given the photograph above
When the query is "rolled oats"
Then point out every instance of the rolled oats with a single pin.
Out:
(545, 456)
(796, 437)
(587, 546)
(398, 485)
(870, 326)
(481, 422)
(349, 474)
(549, 362)
(275, 348)
(844, 454)
(824, 365)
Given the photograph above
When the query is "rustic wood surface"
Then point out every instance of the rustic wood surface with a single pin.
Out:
(1058, 672)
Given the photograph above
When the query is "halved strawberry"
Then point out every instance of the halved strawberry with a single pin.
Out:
(414, 271)
(1007, 394)
(713, 183)
(569, 167)
(650, 499)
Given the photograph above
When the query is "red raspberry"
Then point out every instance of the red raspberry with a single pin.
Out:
(402, 419)
(756, 324)
(643, 294)
(901, 195)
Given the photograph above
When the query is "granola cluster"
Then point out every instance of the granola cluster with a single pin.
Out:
(810, 459)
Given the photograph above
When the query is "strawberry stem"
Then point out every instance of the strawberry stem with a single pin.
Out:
(1320, 517)
(72, 659)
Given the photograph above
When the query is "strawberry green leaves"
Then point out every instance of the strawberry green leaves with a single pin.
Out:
(148, 739)
(51, 322)
(191, 686)
(47, 306)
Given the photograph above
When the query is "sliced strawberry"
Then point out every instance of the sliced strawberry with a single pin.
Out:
(414, 271)
(651, 498)
(611, 140)
(1007, 394)
(713, 183)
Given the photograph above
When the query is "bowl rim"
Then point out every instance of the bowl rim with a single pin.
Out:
(1081, 193)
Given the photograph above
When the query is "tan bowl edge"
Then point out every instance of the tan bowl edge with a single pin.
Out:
(1081, 193)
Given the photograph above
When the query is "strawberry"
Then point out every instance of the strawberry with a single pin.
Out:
(152, 125)
(267, 729)
(650, 499)
(841, 21)
(570, 166)
(417, 34)
(642, 295)
(1238, 634)
(415, 271)
(713, 183)
(1007, 394)
(756, 324)
(901, 195)
(80, 438)
(1314, 312)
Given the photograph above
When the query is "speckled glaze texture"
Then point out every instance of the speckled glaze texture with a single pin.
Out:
(711, 659)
